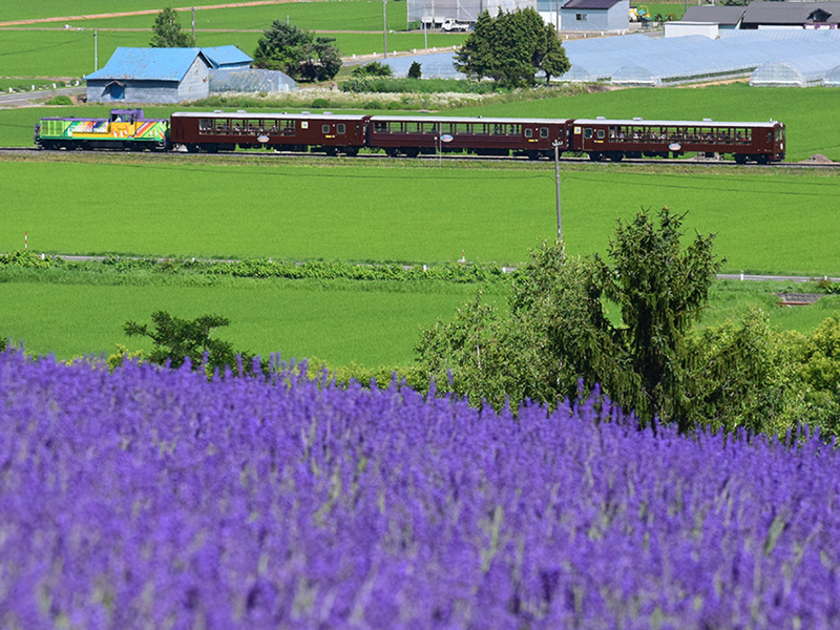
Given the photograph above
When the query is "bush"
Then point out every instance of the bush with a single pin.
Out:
(60, 100)
(372, 69)
(320, 103)
(414, 72)
(373, 105)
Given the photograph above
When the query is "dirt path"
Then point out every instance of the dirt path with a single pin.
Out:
(146, 12)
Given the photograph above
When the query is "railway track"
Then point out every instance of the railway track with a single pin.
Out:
(447, 157)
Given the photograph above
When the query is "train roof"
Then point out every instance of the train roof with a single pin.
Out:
(465, 119)
(241, 113)
(674, 123)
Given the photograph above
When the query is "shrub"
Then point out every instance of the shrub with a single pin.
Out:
(61, 99)
(414, 72)
(320, 103)
(372, 69)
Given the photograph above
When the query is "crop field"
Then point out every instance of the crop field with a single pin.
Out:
(338, 323)
(148, 498)
(346, 15)
(403, 210)
(70, 53)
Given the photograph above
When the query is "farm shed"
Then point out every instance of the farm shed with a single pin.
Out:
(595, 15)
(727, 18)
(151, 75)
(795, 15)
(227, 58)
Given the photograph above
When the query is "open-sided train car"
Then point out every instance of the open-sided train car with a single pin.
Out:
(413, 135)
(123, 129)
(215, 131)
(762, 142)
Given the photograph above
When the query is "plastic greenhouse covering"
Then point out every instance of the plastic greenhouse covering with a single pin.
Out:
(809, 55)
(832, 79)
(248, 80)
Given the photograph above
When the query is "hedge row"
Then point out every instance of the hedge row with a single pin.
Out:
(263, 268)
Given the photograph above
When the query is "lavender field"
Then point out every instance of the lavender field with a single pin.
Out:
(156, 499)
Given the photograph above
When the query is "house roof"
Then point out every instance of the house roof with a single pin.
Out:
(220, 56)
(714, 14)
(149, 64)
(789, 12)
(590, 4)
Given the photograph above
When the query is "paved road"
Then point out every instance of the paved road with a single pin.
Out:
(28, 99)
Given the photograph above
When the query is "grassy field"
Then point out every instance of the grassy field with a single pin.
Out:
(70, 53)
(178, 205)
(341, 323)
(344, 15)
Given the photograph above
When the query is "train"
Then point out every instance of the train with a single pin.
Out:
(599, 138)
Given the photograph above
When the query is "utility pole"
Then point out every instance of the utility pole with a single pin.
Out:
(556, 145)
(385, 29)
(95, 50)
(193, 24)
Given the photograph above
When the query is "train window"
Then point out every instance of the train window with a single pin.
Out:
(498, 130)
(514, 130)
(222, 126)
(325, 129)
(529, 133)
(205, 125)
(380, 127)
(236, 126)
(543, 132)
(341, 128)
(587, 133)
(601, 134)
(463, 128)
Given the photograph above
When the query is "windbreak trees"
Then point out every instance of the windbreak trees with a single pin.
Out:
(511, 48)
(297, 53)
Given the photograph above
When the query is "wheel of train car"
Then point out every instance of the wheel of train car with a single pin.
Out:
(615, 156)
(533, 155)
(595, 156)
(351, 151)
(392, 152)
(740, 158)
(411, 152)
(191, 148)
(762, 159)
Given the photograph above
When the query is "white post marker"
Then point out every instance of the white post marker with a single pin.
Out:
(25, 241)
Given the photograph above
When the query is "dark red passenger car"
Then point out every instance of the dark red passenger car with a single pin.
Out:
(214, 131)
(411, 136)
(616, 139)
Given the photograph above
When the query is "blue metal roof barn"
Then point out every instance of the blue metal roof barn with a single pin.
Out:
(151, 75)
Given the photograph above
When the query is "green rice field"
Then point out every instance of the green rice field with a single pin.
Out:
(419, 212)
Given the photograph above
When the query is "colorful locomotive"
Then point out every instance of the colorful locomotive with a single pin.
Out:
(124, 129)
(347, 134)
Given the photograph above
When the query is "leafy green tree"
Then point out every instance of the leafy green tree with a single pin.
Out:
(176, 340)
(297, 52)
(167, 31)
(415, 72)
(475, 58)
(322, 62)
(511, 48)
(551, 56)
(557, 332)
(661, 289)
